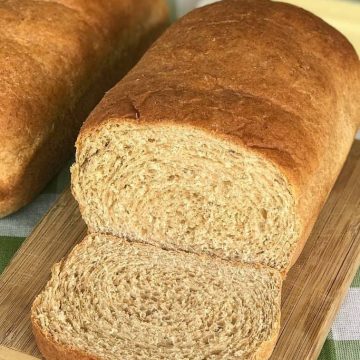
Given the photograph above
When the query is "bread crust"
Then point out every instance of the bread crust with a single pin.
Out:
(48, 346)
(266, 76)
(52, 350)
(60, 58)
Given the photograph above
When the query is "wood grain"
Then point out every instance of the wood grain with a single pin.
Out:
(9, 354)
(318, 282)
(29, 270)
(312, 294)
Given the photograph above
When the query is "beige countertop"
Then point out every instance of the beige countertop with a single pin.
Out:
(344, 15)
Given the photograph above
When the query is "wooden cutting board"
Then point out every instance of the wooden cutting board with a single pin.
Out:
(313, 290)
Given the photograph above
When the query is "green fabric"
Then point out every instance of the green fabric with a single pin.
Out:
(8, 247)
(344, 350)
(328, 350)
(356, 282)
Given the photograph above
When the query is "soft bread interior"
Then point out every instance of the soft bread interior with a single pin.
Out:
(115, 299)
(181, 188)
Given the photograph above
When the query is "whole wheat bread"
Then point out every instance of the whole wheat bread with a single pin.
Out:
(113, 299)
(227, 137)
(217, 150)
(57, 59)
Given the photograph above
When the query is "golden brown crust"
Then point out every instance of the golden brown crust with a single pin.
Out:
(263, 75)
(54, 351)
(266, 349)
(58, 59)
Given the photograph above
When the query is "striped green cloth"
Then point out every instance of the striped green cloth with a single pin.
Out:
(343, 342)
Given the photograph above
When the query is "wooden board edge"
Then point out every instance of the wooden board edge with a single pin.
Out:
(11, 354)
(345, 286)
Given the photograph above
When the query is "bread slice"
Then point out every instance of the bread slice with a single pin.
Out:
(113, 299)
(226, 137)
(179, 188)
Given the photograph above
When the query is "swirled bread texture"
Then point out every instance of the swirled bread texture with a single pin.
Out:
(113, 299)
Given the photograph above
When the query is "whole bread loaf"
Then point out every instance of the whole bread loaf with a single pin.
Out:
(226, 138)
(111, 299)
(57, 59)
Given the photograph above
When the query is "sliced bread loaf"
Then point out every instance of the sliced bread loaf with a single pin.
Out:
(113, 299)
(227, 136)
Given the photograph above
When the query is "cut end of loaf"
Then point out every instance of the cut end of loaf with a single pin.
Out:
(182, 188)
(113, 299)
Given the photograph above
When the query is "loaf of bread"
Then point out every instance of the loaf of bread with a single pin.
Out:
(111, 299)
(227, 136)
(57, 59)
(212, 158)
